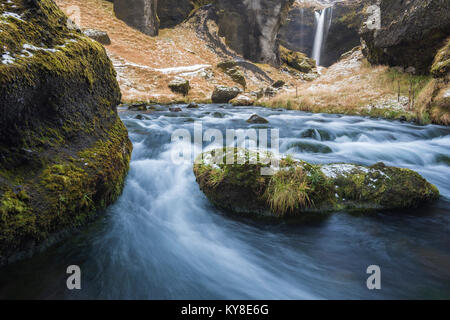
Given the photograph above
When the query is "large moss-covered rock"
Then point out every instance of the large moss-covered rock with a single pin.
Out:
(441, 63)
(64, 153)
(139, 14)
(411, 33)
(297, 188)
(251, 27)
(296, 60)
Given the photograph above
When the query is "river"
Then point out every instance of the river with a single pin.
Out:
(163, 240)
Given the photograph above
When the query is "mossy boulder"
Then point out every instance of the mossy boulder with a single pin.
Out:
(296, 60)
(98, 35)
(231, 69)
(441, 63)
(238, 180)
(223, 94)
(180, 85)
(64, 151)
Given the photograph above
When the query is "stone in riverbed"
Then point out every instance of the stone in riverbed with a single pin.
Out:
(257, 119)
(192, 105)
(298, 188)
(242, 100)
(223, 94)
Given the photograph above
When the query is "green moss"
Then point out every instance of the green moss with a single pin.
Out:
(299, 188)
(231, 69)
(441, 64)
(65, 152)
(297, 60)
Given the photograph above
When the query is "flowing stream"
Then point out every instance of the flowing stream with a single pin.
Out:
(163, 240)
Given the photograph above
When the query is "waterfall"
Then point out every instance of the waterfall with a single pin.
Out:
(323, 23)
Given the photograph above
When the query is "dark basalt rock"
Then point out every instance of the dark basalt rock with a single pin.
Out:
(257, 119)
(64, 153)
(411, 33)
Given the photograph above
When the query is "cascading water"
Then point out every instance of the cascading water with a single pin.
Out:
(163, 239)
(323, 24)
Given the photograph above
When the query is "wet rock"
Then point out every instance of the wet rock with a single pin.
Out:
(242, 100)
(98, 35)
(175, 109)
(179, 85)
(59, 125)
(192, 105)
(138, 106)
(257, 119)
(300, 189)
(223, 94)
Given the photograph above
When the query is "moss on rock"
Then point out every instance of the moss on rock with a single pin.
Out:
(296, 60)
(298, 188)
(64, 151)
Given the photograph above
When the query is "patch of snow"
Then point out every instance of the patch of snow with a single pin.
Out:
(6, 15)
(7, 58)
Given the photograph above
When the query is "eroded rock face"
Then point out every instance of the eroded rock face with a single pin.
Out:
(139, 14)
(250, 27)
(411, 33)
(64, 153)
(298, 188)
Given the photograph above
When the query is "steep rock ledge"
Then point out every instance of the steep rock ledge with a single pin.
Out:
(64, 153)
(411, 33)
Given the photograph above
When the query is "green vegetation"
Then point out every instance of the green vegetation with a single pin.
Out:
(299, 188)
(65, 152)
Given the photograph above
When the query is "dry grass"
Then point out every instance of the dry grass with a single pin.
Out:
(136, 55)
(288, 191)
(353, 86)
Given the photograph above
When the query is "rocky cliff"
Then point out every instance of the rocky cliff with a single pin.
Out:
(64, 152)
(251, 27)
(139, 14)
(411, 33)
(173, 12)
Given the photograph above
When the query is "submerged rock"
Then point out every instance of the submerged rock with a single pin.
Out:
(223, 94)
(257, 119)
(64, 151)
(297, 188)
(192, 105)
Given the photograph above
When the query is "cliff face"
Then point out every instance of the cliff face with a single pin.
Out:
(173, 12)
(64, 152)
(139, 14)
(411, 33)
(251, 27)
